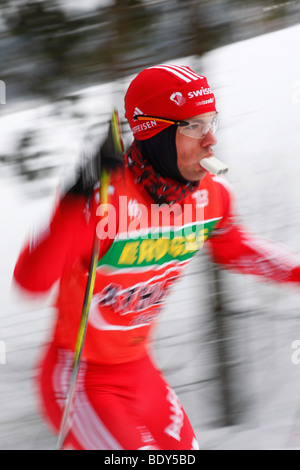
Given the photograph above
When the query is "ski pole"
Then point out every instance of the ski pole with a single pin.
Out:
(111, 157)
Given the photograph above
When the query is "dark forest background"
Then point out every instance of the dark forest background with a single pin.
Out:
(49, 48)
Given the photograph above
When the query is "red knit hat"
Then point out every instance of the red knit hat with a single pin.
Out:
(165, 91)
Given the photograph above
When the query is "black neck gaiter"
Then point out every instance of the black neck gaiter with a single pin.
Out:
(160, 151)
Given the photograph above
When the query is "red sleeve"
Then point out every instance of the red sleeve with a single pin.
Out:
(234, 247)
(68, 236)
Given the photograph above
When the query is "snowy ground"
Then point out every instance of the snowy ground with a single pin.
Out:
(257, 86)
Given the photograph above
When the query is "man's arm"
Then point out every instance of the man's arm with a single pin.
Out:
(234, 247)
(69, 235)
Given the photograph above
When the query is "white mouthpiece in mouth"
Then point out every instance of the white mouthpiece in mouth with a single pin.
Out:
(213, 165)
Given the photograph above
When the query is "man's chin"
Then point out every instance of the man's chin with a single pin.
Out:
(200, 175)
(195, 176)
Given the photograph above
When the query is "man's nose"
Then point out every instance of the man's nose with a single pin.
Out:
(209, 139)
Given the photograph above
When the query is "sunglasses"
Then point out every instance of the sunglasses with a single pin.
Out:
(196, 128)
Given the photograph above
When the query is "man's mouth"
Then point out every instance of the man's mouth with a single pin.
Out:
(213, 165)
(208, 155)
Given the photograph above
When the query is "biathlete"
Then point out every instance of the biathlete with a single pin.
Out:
(122, 400)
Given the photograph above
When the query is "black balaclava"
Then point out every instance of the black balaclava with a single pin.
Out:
(160, 151)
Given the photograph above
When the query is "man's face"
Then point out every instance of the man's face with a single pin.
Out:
(190, 152)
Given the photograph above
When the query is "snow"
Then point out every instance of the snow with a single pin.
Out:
(257, 87)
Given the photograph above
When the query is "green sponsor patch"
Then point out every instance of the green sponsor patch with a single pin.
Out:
(157, 248)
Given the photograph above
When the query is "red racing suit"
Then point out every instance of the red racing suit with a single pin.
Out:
(144, 250)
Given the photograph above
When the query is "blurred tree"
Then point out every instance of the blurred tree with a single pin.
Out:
(48, 36)
(49, 50)
(202, 26)
(126, 34)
